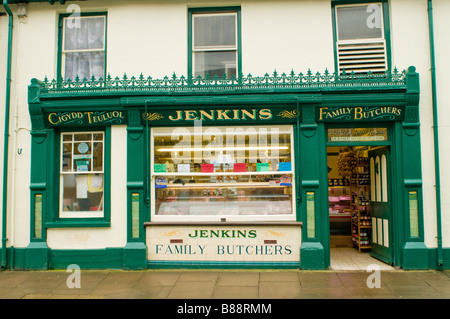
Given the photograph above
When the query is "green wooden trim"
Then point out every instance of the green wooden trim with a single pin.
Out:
(136, 181)
(153, 264)
(417, 257)
(53, 220)
(215, 10)
(59, 71)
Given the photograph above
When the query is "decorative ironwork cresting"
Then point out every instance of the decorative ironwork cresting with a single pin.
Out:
(181, 84)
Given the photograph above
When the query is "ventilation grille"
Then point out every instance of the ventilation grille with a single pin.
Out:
(362, 57)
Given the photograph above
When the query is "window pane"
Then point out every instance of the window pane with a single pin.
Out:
(98, 157)
(214, 30)
(83, 137)
(223, 170)
(358, 134)
(215, 63)
(82, 192)
(359, 22)
(226, 199)
(67, 157)
(85, 65)
(84, 33)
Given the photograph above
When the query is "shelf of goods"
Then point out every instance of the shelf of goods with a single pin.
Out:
(340, 201)
(361, 220)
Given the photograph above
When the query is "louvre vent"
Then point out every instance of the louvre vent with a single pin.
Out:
(362, 57)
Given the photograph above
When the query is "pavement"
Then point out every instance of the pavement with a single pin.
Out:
(224, 284)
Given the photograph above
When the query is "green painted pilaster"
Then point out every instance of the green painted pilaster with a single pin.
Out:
(414, 252)
(314, 251)
(37, 252)
(135, 251)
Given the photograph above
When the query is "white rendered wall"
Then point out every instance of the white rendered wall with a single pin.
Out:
(286, 36)
(441, 10)
(151, 37)
(3, 55)
(410, 21)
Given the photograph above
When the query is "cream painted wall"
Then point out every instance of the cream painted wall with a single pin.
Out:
(143, 37)
(3, 49)
(410, 46)
(114, 236)
(40, 21)
(442, 46)
(286, 36)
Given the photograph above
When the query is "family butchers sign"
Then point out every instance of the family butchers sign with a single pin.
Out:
(359, 114)
(224, 243)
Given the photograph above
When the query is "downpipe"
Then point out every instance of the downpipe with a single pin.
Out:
(440, 260)
(6, 134)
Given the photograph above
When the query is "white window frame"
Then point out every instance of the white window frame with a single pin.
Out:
(367, 41)
(64, 52)
(228, 218)
(79, 214)
(212, 48)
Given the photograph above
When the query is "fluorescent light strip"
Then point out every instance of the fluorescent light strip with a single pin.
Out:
(243, 148)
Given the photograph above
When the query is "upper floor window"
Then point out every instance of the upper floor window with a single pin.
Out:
(214, 43)
(361, 44)
(82, 47)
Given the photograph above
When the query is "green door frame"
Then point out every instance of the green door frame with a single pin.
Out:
(394, 229)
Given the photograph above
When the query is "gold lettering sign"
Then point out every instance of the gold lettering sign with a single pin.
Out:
(85, 118)
(340, 114)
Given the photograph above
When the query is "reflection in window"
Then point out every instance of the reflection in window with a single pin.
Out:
(82, 165)
(83, 47)
(214, 47)
(223, 171)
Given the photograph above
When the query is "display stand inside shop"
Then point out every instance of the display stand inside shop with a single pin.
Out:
(348, 197)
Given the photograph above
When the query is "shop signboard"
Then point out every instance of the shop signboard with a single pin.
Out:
(85, 118)
(359, 114)
(223, 115)
(238, 243)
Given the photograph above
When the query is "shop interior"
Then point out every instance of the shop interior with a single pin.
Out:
(349, 201)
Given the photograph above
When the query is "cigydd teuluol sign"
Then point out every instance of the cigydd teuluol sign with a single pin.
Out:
(85, 118)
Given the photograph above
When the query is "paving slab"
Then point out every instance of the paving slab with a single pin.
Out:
(225, 284)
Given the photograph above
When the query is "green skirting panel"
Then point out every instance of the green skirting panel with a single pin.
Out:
(37, 256)
(312, 256)
(108, 258)
(220, 265)
(135, 256)
(415, 256)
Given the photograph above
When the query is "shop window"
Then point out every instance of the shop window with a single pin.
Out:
(361, 44)
(214, 42)
(82, 175)
(82, 47)
(216, 173)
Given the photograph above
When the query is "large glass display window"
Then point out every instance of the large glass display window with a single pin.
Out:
(217, 173)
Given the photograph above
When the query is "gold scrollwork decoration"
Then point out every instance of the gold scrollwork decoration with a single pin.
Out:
(288, 114)
(175, 233)
(152, 116)
(272, 233)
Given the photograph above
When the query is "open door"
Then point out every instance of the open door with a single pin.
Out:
(380, 200)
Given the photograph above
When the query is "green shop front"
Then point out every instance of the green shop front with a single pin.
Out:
(254, 172)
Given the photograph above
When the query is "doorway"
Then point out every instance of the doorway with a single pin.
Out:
(359, 205)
